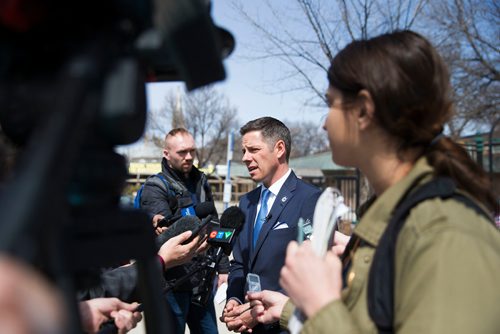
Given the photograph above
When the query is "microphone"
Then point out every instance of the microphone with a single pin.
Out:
(183, 224)
(204, 209)
(223, 236)
(233, 218)
(201, 211)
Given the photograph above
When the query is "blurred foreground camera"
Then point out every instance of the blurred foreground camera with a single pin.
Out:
(72, 77)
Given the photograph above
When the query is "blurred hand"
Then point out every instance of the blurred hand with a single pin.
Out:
(174, 253)
(340, 241)
(221, 279)
(203, 246)
(126, 320)
(311, 281)
(28, 303)
(95, 312)
(156, 219)
(267, 305)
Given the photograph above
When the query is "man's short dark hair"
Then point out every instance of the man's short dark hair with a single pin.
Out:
(272, 130)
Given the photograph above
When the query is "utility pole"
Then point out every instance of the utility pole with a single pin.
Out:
(227, 183)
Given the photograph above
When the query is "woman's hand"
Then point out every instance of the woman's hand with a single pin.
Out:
(340, 241)
(174, 253)
(267, 305)
(311, 281)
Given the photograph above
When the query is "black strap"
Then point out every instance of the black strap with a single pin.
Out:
(172, 184)
(381, 279)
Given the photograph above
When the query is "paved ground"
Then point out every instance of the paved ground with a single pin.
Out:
(140, 329)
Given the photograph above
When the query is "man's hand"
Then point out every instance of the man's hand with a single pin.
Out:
(230, 305)
(158, 229)
(239, 317)
(203, 246)
(174, 253)
(95, 312)
(267, 305)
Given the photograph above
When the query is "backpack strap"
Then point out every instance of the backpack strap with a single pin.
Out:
(381, 279)
(203, 186)
(171, 185)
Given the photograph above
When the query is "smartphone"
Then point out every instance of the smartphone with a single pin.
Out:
(253, 282)
(201, 230)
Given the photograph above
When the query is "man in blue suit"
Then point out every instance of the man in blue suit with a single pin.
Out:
(272, 212)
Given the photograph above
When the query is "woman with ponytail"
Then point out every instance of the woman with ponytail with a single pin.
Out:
(389, 100)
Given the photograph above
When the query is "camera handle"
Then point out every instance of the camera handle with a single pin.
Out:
(209, 262)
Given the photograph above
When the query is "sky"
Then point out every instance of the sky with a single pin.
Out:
(250, 85)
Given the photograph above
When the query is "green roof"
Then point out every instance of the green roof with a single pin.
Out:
(322, 161)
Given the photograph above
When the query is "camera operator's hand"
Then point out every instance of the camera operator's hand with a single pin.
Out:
(174, 253)
(158, 229)
(95, 312)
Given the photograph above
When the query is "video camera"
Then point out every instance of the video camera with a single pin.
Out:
(72, 77)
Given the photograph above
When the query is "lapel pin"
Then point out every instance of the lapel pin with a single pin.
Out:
(284, 199)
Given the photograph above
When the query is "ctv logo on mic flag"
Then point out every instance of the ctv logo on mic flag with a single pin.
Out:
(223, 235)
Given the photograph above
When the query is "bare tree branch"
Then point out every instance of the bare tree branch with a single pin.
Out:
(208, 116)
(467, 38)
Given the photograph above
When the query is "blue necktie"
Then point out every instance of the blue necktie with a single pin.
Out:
(261, 217)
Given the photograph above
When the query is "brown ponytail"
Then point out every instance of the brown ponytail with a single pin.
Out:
(410, 87)
(451, 159)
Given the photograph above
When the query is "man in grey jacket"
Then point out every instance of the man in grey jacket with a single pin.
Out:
(162, 195)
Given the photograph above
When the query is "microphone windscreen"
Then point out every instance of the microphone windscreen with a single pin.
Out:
(204, 209)
(185, 223)
(233, 218)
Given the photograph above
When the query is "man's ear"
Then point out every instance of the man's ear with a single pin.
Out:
(366, 111)
(280, 148)
(165, 154)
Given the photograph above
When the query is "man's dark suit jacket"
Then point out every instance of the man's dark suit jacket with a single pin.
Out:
(296, 199)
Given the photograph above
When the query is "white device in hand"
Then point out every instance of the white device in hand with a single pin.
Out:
(253, 282)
